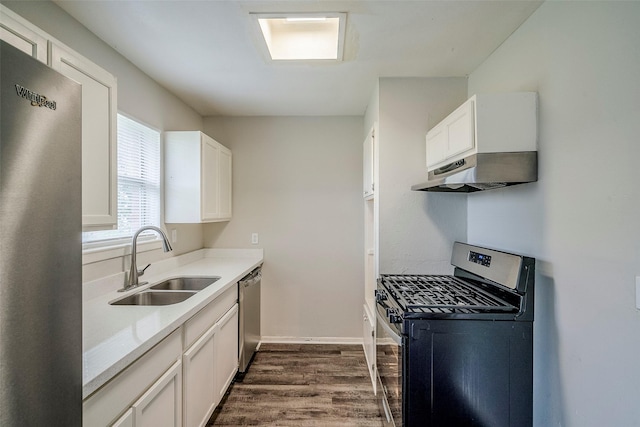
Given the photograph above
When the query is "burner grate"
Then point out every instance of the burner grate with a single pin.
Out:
(442, 294)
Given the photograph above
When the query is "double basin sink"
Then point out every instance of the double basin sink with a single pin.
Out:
(171, 291)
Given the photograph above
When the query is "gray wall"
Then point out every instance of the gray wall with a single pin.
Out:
(581, 219)
(416, 229)
(139, 96)
(297, 182)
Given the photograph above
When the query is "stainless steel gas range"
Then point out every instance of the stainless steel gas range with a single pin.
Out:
(458, 350)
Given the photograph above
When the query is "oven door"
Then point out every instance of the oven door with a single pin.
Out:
(389, 363)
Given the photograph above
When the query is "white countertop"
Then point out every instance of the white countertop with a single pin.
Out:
(115, 336)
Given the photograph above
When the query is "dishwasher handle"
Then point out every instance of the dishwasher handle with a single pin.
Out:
(252, 278)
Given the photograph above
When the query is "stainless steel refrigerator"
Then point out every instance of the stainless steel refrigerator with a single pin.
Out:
(40, 244)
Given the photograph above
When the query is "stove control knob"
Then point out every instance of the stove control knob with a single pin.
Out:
(380, 295)
(394, 315)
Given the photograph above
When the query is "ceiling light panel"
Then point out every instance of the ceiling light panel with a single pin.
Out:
(303, 37)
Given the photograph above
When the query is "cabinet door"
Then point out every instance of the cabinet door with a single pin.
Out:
(209, 176)
(99, 170)
(368, 341)
(161, 405)
(368, 164)
(126, 420)
(199, 393)
(21, 34)
(436, 145)
(461, 130)
(224, 181)
(226, 351)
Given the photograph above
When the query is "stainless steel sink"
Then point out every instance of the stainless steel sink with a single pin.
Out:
(168, 292)
(155, 298)
(186, 283)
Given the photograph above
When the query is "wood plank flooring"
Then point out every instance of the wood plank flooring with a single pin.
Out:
(302, 385)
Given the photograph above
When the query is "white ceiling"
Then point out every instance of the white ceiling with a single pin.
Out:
(209, 54)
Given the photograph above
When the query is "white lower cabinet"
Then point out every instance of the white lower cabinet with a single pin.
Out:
(162, 403)
(158, 406)
(226, 352)
(111, 403)
(369, 344)
(199, 380)
(209, 366)
(126, 420)
(181, 380)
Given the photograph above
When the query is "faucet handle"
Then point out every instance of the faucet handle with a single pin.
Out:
(141, 272)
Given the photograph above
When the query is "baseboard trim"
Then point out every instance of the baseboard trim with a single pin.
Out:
(311, 340)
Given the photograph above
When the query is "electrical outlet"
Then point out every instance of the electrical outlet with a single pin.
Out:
(174, 235)
(254, 238)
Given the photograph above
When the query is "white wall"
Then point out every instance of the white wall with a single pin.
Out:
(417, 229)
(138, 96)
(581, 219)
(297, 182)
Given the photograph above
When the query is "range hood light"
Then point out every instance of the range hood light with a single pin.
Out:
(453, 186)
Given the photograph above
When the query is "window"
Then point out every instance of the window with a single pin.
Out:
(138, 181)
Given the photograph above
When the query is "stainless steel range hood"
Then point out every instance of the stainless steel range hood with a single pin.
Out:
(483, 171)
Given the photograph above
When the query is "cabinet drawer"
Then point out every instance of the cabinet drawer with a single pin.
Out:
(205, 318)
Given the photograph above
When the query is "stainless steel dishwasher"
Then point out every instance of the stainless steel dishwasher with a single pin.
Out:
(249, 298)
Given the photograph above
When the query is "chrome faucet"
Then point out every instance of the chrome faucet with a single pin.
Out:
(132, 278)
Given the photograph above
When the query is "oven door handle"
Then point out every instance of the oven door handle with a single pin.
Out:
(392, 334)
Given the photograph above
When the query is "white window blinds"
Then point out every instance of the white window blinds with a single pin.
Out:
(138, 180)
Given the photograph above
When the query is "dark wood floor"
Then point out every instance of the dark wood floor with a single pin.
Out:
(302, 385)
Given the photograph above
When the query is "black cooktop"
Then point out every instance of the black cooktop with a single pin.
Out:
(442, 294)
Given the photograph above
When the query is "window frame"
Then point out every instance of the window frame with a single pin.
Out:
(109, 248)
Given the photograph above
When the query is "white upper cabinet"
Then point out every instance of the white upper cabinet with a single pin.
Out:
(206, 365)
(197, 178)
(209, 197)
(224, 177)
(460, 130)
(368, 156)
(99, 112)
(437, 145)
(21, 34)
(487, 123)
(99, 138)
